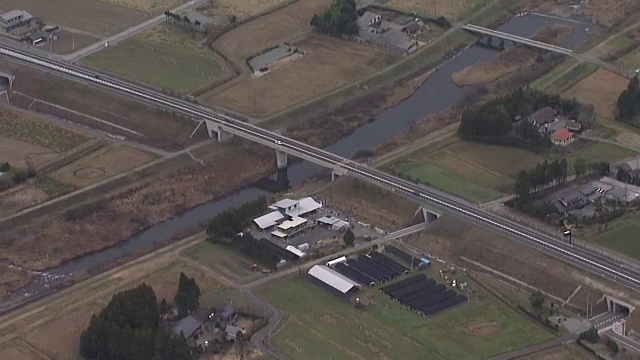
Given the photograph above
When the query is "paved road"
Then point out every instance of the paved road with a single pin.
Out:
(548, 243)
(129, 32)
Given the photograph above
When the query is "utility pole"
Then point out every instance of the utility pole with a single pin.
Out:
(73, 42)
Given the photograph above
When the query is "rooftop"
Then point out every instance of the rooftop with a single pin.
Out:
(305, 206)
(296, 251)
(15, 13)
(228, 311)
(232, 330)
(268, 220)
(333, 278)
(563, 134)
(544, 115)
(191, 323)
(294, 222)
(284, 204)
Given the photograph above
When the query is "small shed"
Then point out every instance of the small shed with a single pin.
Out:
(228, 313)
(232, 331)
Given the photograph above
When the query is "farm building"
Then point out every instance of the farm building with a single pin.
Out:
(290, 228)
(388, 35)
(331, 279)
(14, 19)
(286, 218)
(333, 223)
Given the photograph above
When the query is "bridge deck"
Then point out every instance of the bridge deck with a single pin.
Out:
(518, 39)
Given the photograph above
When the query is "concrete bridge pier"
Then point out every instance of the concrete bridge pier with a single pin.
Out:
(221, 134)
(282, 176)
(501, 44)
(337, 172)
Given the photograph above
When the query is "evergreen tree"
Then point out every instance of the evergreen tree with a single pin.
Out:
(348, 238)
(187, 298)
(629, 101)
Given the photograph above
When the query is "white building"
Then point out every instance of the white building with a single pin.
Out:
(285, 211)
(333, 279)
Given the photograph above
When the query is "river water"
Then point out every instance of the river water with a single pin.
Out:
(436, 94)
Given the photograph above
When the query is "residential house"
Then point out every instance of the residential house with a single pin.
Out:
(385, 34)
(562, 137)
(543, 116)
(14, 19)
(411, 29)
(228, 313)
(232, 331)
(191, 324)
(572, 201)
(574, 125)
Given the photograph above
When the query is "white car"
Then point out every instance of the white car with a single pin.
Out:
(278, 142)
(106, 44)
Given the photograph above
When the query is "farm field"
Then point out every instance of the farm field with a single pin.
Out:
(477, 172)
(269, 30)
(597, 152)
(571, 77)
(165, 57)
(26, 195)
(18, 153)
(601, 89)
(92, 16)
(148, 6)
(327, 63)
(623, 237)
(325, 326)
(243, 9)
(545, 81)
(220, 258)
(450, 9)
(102, 164)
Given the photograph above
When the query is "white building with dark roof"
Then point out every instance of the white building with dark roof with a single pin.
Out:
(333, 279)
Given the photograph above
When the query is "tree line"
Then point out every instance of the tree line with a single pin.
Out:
(226, 229)
(493, 121)
(340, 19)
(547, 174)
(129, 328)
(182, 20)
(629, 101)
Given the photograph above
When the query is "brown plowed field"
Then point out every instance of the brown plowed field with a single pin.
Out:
(269, 30)
(327, 63)
(92, 16)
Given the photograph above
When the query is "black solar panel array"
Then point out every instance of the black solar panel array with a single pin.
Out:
(365, 269)
(388, 262)
(423, 295)
(354, 274)
(388, 273)
(408, 259)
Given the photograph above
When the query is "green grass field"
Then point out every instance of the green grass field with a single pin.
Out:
(601, 152)
(165, 56)
(212, 255)
(52, 187)
(326, 327)
(543, 82)
(455, 182)
(623, 238)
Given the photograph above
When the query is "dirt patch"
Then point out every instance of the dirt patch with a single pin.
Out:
(159, 128)
(328, 63)
(510, 61)
(601, 89)
(18, 350)
(243, 9)
(370, 204)
(483, 329)
(100, 165)
(20, 197)
(611, 13)
(92, 16)
(69, 42)
(269, 30)
(47, 242)
(20, 154)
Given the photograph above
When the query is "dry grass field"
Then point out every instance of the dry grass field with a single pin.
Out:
(100, 165)
(243, 9)
(611, 13)
(266, 31)
(148, 6)
(115, 217)
(328, 63)
(18, 153)
(18, 350)
(447, 8)
(20, 197)
(92, 16)
(69, 42)
(601, 89)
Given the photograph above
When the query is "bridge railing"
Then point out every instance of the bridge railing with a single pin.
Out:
(520, 39)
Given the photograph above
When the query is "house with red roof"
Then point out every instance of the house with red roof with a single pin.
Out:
(562, 137)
